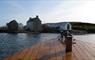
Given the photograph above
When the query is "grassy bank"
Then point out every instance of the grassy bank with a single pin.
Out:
(88, 27)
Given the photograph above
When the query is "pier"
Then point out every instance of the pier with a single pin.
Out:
(54, 50)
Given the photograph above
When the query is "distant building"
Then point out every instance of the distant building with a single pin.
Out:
(62, 25)
(12, 26)
(66, 26)
(3, 29)
(20, 27)
(34, 24)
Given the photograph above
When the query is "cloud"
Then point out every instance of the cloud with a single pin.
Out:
(49, 10)
(79, 10)
(62, 11)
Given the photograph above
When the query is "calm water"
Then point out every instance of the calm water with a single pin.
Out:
(86, 38)
(11, 43)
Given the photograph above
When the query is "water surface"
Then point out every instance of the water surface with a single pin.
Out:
(86, 38)
(12, 43)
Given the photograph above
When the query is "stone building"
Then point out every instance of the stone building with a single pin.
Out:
(34, 24)
(12, 26)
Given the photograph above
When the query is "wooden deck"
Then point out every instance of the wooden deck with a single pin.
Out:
(54, 50)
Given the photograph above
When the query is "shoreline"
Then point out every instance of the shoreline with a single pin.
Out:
(45, 32)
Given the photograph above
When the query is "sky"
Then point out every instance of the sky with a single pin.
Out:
(49, 11)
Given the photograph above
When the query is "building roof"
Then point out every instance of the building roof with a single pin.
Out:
(33, 19)
(12, 22)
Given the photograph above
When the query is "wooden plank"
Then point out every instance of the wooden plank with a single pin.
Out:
(54, 50)
(89, 50)
(16, 54)
(22, 54)
(86, 51)
(61, 49)
(28, 54)
(34, 54)
(76, 53)
(74, 57)
(18, 57)
(44, 53)
(79, 52)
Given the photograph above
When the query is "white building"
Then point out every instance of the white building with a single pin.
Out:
(66, 26)
(34, 24)
(62, 25)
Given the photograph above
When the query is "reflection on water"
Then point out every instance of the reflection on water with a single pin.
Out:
(11, 43)
(86, 38)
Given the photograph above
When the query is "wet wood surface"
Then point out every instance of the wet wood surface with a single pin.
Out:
(54, 50)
